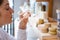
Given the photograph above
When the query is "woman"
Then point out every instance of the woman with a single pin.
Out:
(6, 18)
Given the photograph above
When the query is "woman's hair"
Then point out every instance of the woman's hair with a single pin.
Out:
(1, 1)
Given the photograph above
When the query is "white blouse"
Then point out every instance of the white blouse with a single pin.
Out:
(31, 31)
(5, 36)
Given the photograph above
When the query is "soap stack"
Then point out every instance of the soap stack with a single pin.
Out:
(44, 27)
(53, 30)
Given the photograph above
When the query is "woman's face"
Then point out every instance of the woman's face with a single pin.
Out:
(5, 13)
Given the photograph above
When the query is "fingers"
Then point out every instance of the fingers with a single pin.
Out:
(21, 15)
(23, 23)
(24, 20)
(24, 15)
(29, 13)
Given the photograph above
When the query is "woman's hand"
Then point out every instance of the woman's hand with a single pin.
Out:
(24, 20)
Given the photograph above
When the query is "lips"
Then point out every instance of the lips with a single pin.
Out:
(10, 17)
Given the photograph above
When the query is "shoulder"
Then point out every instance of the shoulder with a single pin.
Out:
(2, 34)
(1, 31)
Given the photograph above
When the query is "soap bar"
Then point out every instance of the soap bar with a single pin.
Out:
(53, 33)
(41, 21)
(52, 29)
(47, 25)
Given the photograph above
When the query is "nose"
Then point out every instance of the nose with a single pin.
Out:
(11, 10)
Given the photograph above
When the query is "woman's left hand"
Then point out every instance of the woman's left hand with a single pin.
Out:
(24, 19)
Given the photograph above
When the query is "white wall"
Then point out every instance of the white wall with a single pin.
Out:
(17, 4)
(56, 5)
(11, 3)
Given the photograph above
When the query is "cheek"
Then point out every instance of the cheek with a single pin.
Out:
(7, 17)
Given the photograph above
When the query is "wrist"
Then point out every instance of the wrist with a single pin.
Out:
(22, 27)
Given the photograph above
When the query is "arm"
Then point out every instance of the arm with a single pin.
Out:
(21, 34)
(22, 27)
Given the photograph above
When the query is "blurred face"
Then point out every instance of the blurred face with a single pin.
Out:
(5, 13)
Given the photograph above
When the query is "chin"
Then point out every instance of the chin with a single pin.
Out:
(9, 22)
(6, 23)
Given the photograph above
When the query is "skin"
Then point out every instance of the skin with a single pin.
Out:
(6, 15)
(24, 19)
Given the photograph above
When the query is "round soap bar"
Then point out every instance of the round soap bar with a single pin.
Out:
(52, 29)
(41, 21)
(44, 30)
(53, 33)
(47, 25)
